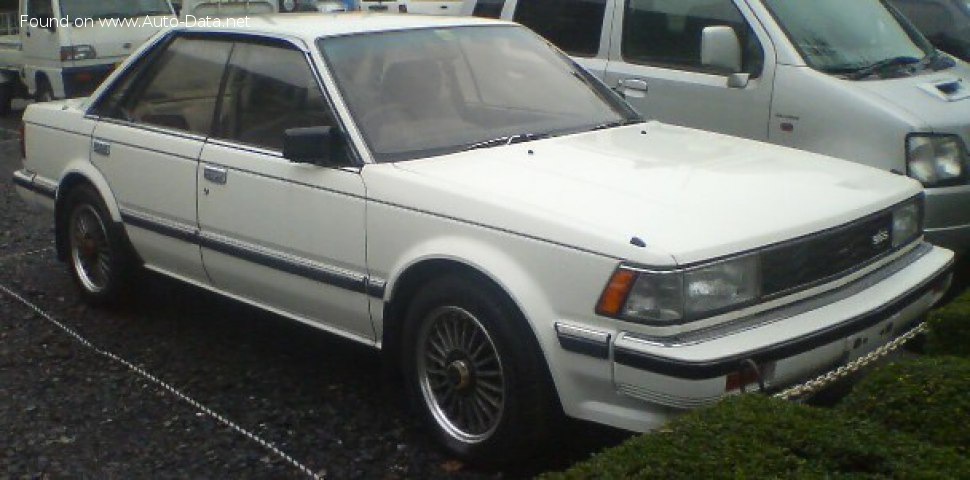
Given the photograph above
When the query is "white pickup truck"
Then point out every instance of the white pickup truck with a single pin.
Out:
(65, 48)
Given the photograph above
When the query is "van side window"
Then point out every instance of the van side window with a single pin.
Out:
(668, 33)
(931, 17)
(488, 8)
(269, 89)
(575, 26)
(176, 90)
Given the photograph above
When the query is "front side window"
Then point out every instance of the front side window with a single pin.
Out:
(269, 89)
(840, 37)
(668, 33)
(435, 91)
(176, 89)
(488, 8)
(40, 9)
(575, 26)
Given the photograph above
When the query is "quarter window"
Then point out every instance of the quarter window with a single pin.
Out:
(575, 26)
(176, 89)
(269, 89)
(488, 8)
(668, 33)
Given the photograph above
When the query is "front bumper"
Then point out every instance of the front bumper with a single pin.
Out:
(948, 218)
(792, 348)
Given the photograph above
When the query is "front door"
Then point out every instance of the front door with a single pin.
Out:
(153, 124)
(655, 60)
(283, 235)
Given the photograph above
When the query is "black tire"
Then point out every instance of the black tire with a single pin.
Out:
(99, 256)
(529, 408)
(44, 91)
(6, 97)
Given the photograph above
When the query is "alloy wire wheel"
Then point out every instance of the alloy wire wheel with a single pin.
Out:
(97, 251)
(461, 374)
(90, 249)
(475, 372)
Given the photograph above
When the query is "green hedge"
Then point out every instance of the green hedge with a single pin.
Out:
(949, 332)
(928, 398)
(757, 437)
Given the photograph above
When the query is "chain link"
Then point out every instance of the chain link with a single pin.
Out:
(821, 382)
(141, 372)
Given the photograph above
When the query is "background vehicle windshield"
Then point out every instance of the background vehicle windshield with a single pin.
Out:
(420, 93)
(839, 36)
(114, 8)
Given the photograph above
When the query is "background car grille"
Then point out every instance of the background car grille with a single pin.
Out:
(813, 259)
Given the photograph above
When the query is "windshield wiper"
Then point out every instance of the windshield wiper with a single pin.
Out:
(882, 65)
(618, 123)
(506, 140)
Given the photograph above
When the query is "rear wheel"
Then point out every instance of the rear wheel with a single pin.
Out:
(474, 370)
(99, 257)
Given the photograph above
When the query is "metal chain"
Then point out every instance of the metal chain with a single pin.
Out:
(816, 384)
(163, 384)
(14, 256)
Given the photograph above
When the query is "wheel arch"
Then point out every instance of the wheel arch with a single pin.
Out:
(80, 173)
(470, 258)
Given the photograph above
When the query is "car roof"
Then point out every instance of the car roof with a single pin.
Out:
(311, 26)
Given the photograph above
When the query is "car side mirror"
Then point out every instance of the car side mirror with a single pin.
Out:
(721, 49)
(314, 145)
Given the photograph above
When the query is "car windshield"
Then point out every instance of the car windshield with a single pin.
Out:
(842, 37)
(83, 9)
(434, 91)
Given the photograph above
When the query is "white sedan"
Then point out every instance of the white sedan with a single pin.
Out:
(461, 195)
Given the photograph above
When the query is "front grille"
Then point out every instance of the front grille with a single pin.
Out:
(811, 260)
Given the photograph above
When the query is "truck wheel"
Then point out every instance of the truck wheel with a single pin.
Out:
(473, 369)
(44, 91)
(99, 256)
(6, 97)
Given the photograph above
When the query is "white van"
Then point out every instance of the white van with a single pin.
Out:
(65, 48)
(423, 7)
(848, 79)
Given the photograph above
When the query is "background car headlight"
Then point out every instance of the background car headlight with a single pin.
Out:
(936, 160)
(907, 222)
(722, 286)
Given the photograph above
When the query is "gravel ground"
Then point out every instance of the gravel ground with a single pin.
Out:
(66, 411)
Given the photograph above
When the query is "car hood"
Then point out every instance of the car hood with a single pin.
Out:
(688, 195)
(940, 100)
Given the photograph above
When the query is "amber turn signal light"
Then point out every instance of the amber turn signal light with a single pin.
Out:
(614, 297)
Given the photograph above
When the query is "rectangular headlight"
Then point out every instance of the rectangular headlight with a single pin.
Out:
(722, 286)
(907, 222)
(936, 160)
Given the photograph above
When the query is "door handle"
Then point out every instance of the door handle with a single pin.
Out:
(101, 147)
(215, 175)
(633, 87)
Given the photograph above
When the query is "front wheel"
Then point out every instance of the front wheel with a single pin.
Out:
(476, 373)
(99, 258)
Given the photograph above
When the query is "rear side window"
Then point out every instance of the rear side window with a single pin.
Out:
(488, 8)
(269, 89)
(575, 26)
(668, 33)
(177, 88)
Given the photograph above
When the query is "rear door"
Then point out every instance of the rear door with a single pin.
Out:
(152, 126)
(284, 235)
(656, 54)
